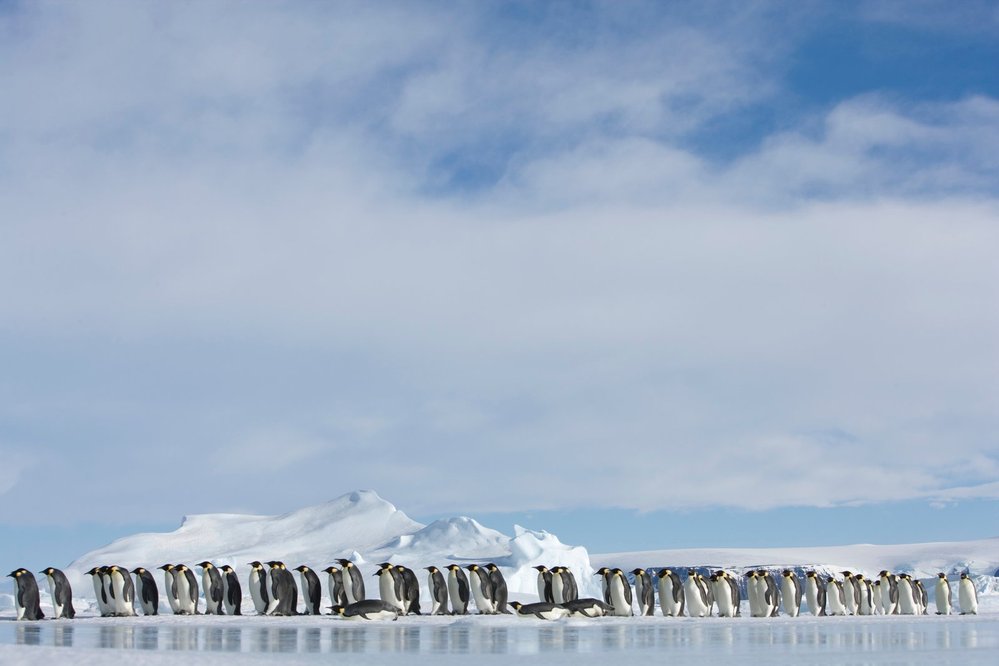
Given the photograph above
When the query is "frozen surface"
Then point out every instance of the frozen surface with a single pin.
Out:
(776, 641)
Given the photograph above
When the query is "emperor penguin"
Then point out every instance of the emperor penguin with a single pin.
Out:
(790, 592)
(500, 593)
(644, 592)
(876, 598)
(670, 593)
(438, 591)
(695, 592)
(908, 603)
(923, 598)
(123, 590)
(170, 587)
(588, 607)
(866, 605)
(851, 594)
(390, 586)
(815, 593)
(284, 592)
(541, 610)
(370, 609)
(232, 591)
(604, 574)
(835, 597)
(620, 593)
(769, 594)
(889, 592)
(755, 594)
(103, 605)
(211, 581)
(410, 591)
(967, 595)
(353, 581)
(312, 592)
(562, 577)
(726, 593)
(337, 594)
(545, 583)
(457, 589)
(258, 588)
(941, 594)
(26, 600)
(146, 591)
(482, 590)
(187, 590)
(61, 593)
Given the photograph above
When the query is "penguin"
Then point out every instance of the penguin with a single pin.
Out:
(312, 592)
(99, 592)
(545, 578)
(123, 591)
(851, 593)
(371, 609)
(908, 596)
(187, 590)
(170, 587)
(258, 588)
(967, 595)
(146, 592)
(61, 593)
(284, 592)
(815, 593)
(457, 589)
(410, 591)
(588, 607)
(232, 591)
(835, 597)
(390, 586)
(866, 590)
(876, 600)
(644, 592)
(567, 581)
(620, 593)
(353, 581)
(726, 593)
(695, 591)
(671, 598)
(26, 601)
(112, 603)
(922, 597)
(790, 592)
(769, 594)
(211, 580)
(604, 574)
(754, 592)
(438, 591)
(941, 594)
(482, 590)
(337, 594)
(500, 593)
(541, 610)
(889, 592)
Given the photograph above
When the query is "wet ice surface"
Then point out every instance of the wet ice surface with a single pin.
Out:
(877, 640)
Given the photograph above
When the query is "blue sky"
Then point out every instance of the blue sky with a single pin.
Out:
(594, 267)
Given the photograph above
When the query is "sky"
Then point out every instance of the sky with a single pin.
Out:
(641, 274)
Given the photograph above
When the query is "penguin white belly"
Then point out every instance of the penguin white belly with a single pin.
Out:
(183, 594)
(56, 606)
(834, 605)
(812, 596)
(618, 600)
(668, 607)
(17, 604)
(258, 602)
(376, 616)
(695, 603)
(876, 601)
(906, 601)
(723, 597)
(386, 589)
(787, 593)
(348, 585)
(942, 594)
(168, 590)
(557, 588)
(967, 597)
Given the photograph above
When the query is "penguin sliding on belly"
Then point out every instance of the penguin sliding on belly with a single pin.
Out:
(588, 607)
(370, 609)
(541, 610)
(26, 599)
(61, 593)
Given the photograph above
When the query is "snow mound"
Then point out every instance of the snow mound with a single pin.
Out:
(529, 549)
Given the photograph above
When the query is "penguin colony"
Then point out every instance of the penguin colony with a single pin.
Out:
(273, 591)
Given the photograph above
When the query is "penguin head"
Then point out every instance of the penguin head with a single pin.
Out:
(344, 563)
(256, 565)
(301, 568)
(846, 574)
(516, 605)
(337, 610)
(385, 565)
(330, 569)
(602, 571)
(431, 569)
(786, 573)
(541, 568)
(226, 568)
(662, 573)
(472, 567)
(941, 575)
(491, 567)
(453, 567)
(964, 576)
(138, 570)
(884, 572)
(166, 567)
(205, 565)
(273, 564)
(48, 572)
(637, 572)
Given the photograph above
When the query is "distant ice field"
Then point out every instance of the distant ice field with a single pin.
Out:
(312, 640)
